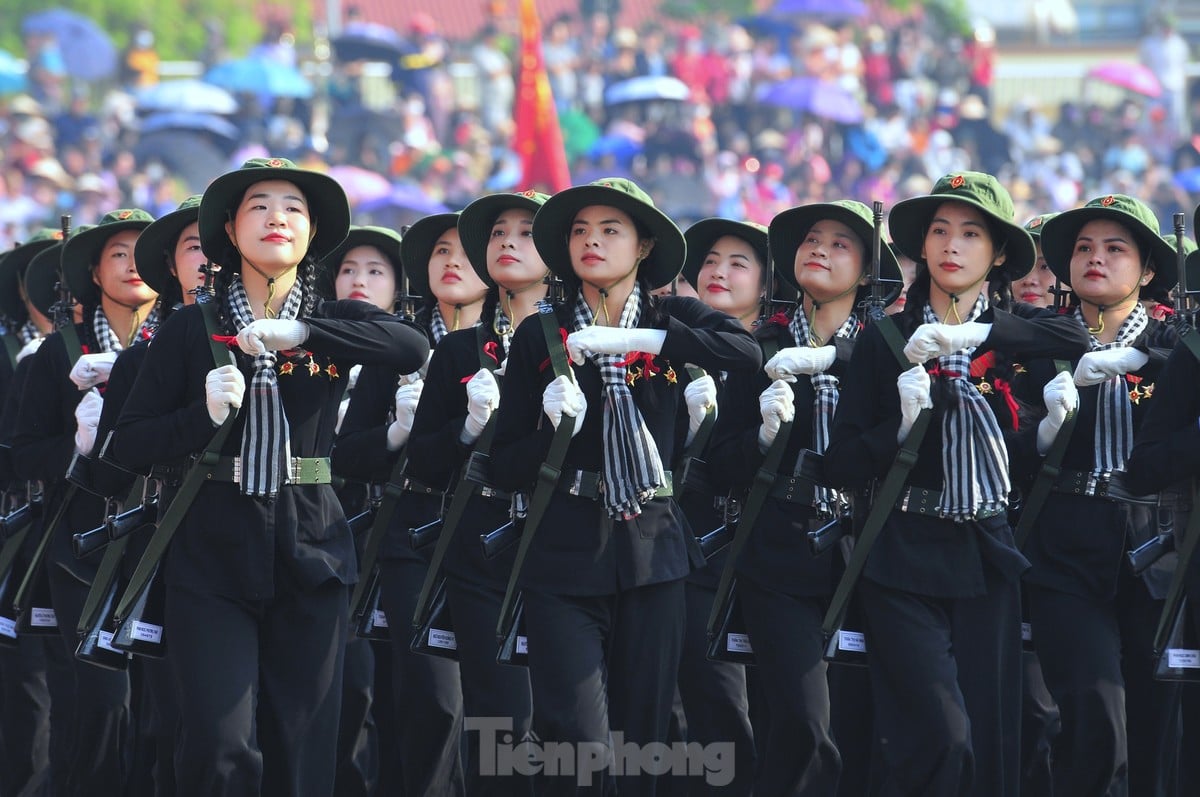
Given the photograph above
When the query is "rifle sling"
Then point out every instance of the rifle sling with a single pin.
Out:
(1047, 475)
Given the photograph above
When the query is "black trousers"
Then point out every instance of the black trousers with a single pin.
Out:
(99, 744)
(32, 726)
(946, 681)
(602, 665)
(358, 743)
(797, 755)
(490, 691)
(1120, 727)
(258, 685)
(715, 701)
(1040, 726)
(428, 707)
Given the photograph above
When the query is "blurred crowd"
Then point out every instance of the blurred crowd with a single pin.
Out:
(778, 112)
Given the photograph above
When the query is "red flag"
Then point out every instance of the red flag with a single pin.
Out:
(538, 138)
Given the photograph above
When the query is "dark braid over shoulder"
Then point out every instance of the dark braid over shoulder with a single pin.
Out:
(308, 284)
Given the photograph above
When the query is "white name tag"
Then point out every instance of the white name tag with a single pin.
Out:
(1183, 658)
(442, 639)
(105, 641)
(522, 644)
(852, 641)
(738, 643)
(8, 627)
(42, 618)
(147, 632)
(379, 619)
(1026, 632)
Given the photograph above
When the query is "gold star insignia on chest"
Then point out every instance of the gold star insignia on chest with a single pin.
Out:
(286, 369)
(313, 368)
(332, 371)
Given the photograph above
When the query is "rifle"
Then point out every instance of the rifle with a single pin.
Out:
(23, 515)
(118, 525)
(63, 311)
(876, 301)
(1185, 311)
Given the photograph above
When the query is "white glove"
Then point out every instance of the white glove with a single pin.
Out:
(29, 348)
(1100, 366)
(408, 395)
(913, 386)
(1061, 397)
(352, 378)
(563, 397)
(224, 387)
(700, 396)
(788, 363)
(87, 418)
(777, 406)
(935, 340)
(92, 369)
(271, 334)
(613, 340)
(483, 397)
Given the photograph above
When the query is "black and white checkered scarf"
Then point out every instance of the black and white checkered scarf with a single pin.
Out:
(503, 327)
(266, 438)
(633, 471)
(974, 454)
(108, 340)
(825, 387)
(437, 325)
(1113, 437)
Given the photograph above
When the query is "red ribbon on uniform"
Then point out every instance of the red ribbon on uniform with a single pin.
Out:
(1005, 389)
(546, 362)
(645, 358)
(230, 341)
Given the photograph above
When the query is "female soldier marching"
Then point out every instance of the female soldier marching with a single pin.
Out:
(256, 579)
(57, 419)
(1093, 620)
(939, 590)
(603, 579)
(372, 441)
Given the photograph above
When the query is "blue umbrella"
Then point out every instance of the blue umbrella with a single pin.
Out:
(819, 97)
(12, 74)
(1189, 180)
(370, 41)
(87, 51)
(647, 88)
(194, 96)
(260, 76)
(404, 197)
(190, 120)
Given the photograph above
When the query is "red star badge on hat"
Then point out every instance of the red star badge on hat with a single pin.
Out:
(956, 181)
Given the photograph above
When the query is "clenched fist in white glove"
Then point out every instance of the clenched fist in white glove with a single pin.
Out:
(613, 340)
(92, 369)
(935, 340)
(87, 418)
(700, 396)
(1061, 398)
(563, 397)
(271, 334)
(777, 407)
(29, 348)
(224, 388)
(483, 397)
(788, 363)
(1100, 366)
(408, 395)
(913, 386)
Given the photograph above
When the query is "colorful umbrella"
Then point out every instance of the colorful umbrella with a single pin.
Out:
(1127, 75)
(821, 98)
(826, 9)
(190, 96)
(647, 88)
(369, 41)
(87, 51)
(361, 185)
(258, 75)
(12, 74)
(190, 120)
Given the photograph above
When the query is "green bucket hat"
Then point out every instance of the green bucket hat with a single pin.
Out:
(703, 234)
(553, 222)
(385, 239)
(12, 271)
(327, 204)
(910, 218)
(787, 231)
(41, 278)
(157, 242)
(1059, 234)
(475, 224)
(82, 250)
(417, 246)
(1034, 225)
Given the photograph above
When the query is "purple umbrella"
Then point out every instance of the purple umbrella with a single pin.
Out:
(819, 97)
(87, 51)
(403, 205)
(1127, 75)
(828, 9)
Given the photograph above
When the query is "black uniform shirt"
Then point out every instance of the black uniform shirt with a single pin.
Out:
(578, 549)
(231, 544)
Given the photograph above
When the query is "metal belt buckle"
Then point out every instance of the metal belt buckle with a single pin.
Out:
(237, 470)
(1102, 485)
(576, 483)
(904, 499)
